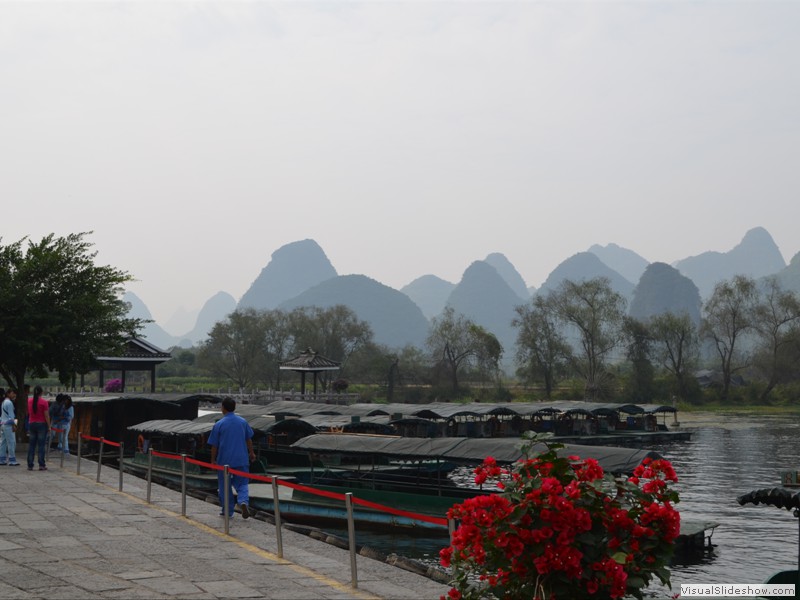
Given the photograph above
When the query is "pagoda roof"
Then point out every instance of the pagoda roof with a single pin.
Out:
(310, 360)
(138, 350)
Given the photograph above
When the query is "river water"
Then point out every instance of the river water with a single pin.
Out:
(727, 456)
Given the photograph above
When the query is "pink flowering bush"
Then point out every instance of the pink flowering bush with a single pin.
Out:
(113, 385)
(562, 529)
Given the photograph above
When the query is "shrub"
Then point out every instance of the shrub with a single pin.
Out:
(113, 385)
(563, 529)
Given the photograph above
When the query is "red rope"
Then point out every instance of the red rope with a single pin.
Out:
(166, 455)
(295, 486)
(401, 513)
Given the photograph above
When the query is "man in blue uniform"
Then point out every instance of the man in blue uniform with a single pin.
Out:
(231, 442)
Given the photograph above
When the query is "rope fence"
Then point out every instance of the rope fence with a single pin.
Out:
(346, 497)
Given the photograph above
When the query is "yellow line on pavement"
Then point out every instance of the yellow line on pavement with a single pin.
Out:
(300, 569)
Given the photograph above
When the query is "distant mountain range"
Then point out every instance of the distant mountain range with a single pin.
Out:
(300, 274)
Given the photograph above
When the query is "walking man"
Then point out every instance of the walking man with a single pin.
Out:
(8, 430)
(231, 442)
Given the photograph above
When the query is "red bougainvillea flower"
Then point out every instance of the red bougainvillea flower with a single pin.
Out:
(561, 528)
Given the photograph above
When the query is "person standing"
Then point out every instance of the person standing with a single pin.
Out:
(66, 422)
(38, 427)
(231, 442)
(8, 430)
(56, 413)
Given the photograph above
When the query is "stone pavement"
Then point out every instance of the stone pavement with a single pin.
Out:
(64, 535)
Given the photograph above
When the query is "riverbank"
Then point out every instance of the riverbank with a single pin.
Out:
(727, 419)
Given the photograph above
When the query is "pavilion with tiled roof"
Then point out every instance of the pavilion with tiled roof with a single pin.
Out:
(309, 362)
(139, 355)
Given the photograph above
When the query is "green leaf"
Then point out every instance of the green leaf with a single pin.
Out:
(620, 558)
(636, 582)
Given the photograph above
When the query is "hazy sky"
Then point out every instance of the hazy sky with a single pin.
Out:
(406, 138)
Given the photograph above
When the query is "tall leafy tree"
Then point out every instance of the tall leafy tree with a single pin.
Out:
(543, 353)
(489, 352)
(776, 320)
(456, 342)
(595, 313)
(58, 309)
(675, 347)
(234, 348)
(277, 345)
(335, 332)
(727, 320)
(639, 340)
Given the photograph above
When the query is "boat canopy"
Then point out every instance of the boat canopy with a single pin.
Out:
(450, 410)
(466, 450)
(349, 424)
(658, 408)
(170, 427)
(204, 425)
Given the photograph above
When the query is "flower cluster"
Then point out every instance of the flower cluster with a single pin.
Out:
(113, 385)
(563, 529)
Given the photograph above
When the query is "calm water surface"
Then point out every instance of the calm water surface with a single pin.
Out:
(726, 457)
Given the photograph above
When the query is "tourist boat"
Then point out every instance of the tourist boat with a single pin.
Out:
(401, 473)
(176, 437)
(587, 423)
(274, 435)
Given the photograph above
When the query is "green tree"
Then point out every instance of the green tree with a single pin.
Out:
(182, 364)
(234, 348)
(277, 345)
(248, 347)
(641, 388)
(595, 312)
(370, 364)
(776, 320)
(727, 319)
(676, 348)
(334, 332)
(456, 342)
(543, 353)
(488, 354)
(58, 309)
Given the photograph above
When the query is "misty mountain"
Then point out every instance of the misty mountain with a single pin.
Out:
(293, 269)
(216, 309)
(395, 320)
(755, 256)
(152, 332)
(510, 274)
(487, 293)
(182, 320)
(430, 293)
(625, 262)
(584, 266)
(483, 296)
(789, 276)
(663, 289)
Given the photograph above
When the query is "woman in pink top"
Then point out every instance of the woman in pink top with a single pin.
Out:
(39, 426)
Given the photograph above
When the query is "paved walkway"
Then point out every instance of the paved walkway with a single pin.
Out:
(64, 535)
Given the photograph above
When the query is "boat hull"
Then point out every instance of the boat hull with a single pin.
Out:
(306, 507)
(783, 577)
